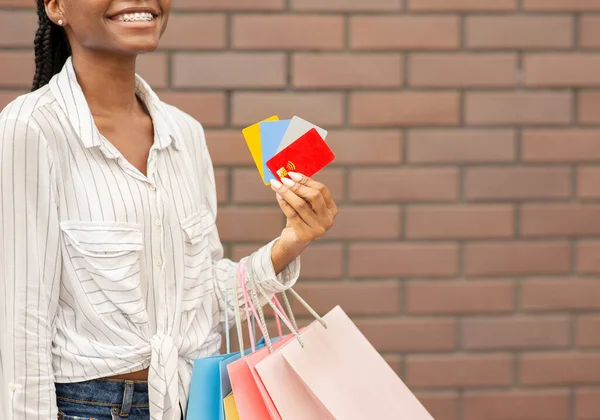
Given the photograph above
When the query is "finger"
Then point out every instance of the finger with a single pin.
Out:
(293, 217)
(312, 195)
(311, 183)
(304, 210)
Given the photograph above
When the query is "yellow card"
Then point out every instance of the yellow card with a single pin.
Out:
(252, 136)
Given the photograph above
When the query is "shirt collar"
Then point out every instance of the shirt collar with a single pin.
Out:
(70, 97)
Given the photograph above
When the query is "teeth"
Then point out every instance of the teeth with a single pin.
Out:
(135, 17)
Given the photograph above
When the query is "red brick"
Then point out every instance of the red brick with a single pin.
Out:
(560, 220)
(562, 70)
(233, 5)
(552, 404)
(402, 259)
(521, 332)
(248, 187)
(588, 182)
(517, 183)
(249, 224)
(17, 28)
(589, 31)
(153, 68)
(461, 146)
(228, 148)
(404, 108)
(207, 107)
(280, 32)
(7, 96)
(460, 297)
(346, 70)
(560, 368)
(465, 70)
(17, 3)
(587, 331)
(562, 5)
(518, 108)
(519, 32)
(365, 146)
(567, 145)
(221, 181)
(346, 5)
(318, 261)
(588, 105)
(195, 31)
(19, 74)
(587, 257)
(366, 222)
(230, 70)
(409, 335)
(324, 109)
(357, 298)
(462, 221)
(441, 405)
(560, 294)
(502, 258)
(587, 404)
(450, 371)
(404, 32)
(380, 185)
(462, 5)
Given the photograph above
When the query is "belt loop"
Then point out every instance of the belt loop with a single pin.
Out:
(127, 399)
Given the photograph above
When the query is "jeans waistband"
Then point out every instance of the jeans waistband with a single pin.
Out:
(107, 392)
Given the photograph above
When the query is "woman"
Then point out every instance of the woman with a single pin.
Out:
(113, 274)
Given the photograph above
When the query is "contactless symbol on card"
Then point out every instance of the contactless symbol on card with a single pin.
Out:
(274, 140)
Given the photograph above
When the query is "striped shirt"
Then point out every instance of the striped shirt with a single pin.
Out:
(105, 270)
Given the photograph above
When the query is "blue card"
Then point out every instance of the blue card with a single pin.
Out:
(271, 134)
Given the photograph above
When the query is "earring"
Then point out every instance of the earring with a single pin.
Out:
(60, 22)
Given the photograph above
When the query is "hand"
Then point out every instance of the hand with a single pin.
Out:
(309, 208)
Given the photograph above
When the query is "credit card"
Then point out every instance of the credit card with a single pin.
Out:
(298, 127)
(307, 155)
(271, 133)
(252, 136)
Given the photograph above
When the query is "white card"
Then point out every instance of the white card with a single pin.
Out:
(297, 128)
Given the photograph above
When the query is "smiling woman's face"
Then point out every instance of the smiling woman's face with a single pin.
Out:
(117, 26)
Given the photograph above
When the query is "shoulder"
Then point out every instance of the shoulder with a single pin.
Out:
(25, 110)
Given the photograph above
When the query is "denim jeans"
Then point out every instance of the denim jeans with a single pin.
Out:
(103, 399)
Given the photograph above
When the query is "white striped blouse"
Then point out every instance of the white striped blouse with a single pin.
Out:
(104, 270)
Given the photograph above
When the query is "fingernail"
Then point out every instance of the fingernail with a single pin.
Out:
(276, 184)
(287, 182)
(295, 176)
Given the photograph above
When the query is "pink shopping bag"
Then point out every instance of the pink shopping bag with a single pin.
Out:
(337, 374)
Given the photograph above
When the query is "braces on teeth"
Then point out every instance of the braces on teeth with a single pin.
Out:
(136, 17)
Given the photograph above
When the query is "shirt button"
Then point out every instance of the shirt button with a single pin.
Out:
(158, 223)
(13, 387)
(151, 187)
(159, 262)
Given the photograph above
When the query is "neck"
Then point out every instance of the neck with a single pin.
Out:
(108, 82)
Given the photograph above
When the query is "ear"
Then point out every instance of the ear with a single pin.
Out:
(54, 10)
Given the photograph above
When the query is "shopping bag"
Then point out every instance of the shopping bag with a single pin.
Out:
(331, 371)
(231, 412)
(252, 399)
(210, 380)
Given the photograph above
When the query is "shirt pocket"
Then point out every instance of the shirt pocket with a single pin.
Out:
(197, 263)
(106, 260)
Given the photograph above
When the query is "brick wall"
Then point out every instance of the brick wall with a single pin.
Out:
(468, 175)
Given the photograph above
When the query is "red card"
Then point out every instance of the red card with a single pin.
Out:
(307, 155)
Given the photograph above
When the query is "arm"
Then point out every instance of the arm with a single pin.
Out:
(30, 266)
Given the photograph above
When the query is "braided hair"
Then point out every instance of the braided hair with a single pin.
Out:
(51, 48)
